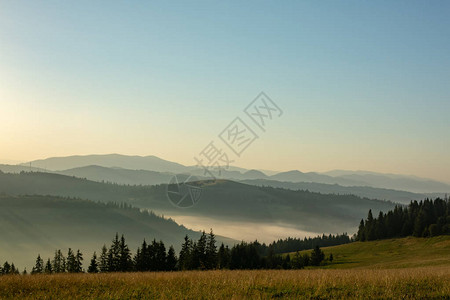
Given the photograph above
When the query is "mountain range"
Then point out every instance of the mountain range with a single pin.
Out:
(68, 199)
(72, 164)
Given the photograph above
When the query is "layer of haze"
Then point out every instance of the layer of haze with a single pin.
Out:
(363, 85)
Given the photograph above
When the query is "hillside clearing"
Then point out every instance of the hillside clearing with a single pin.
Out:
(393, 253)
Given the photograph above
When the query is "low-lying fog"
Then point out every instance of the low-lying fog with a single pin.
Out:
(246, 231)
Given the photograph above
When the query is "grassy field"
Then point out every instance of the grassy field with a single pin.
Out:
(394, 253)
(401, 268)
(407, 283)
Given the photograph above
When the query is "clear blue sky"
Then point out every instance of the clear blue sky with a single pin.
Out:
(363, 85)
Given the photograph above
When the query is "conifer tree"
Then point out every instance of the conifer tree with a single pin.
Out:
(211, 251)
(223, 257)
(39, 266)
(171, 261)
(78, 262)
(103, 260)
(59, 262)
(160, 256)
(71, 261)
(138, 261)
(14, 270)
(199, 253)
(6, 268)
(370, 227)
(114, 260)
(93, 267)
(185, 257)
(125, 263)
(361, 232)
(317, 256)
(48, 267)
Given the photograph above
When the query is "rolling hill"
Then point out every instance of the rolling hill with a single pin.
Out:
(40, 224)
(253, 177)
(222, 200)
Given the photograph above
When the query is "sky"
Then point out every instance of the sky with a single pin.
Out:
(362, 85)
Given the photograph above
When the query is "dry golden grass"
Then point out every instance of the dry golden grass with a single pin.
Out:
(406, 283)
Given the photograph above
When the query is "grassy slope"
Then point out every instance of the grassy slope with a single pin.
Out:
(392, 253)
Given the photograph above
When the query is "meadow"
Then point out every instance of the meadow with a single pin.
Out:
(406, 283)
(409, 268)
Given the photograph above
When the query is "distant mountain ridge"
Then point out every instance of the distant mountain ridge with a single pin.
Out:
(143, 177)
(155, 164)
(151, 163)
(119, 175)
(402, 197)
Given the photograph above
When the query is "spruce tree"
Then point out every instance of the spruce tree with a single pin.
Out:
(93, 267)
(114, 260)
(370, 227)
(138, 261)
(223, 257)
(171, 261)
(39, 266)
(185, 257)
(71, 261)
(317, 256)
(48, 267)
(103, 260)
(6, 268)
(59, 262)
(125, 263)
(361, 236)
(287, 262)
(78, 262)
(160, 256)
(211, 251)
(14, 270)
(199, 253)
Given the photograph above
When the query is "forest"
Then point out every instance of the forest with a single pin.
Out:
(202, 254)
(426, 218)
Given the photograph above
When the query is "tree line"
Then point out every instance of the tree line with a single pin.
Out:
(426, 218)
(297, 244)
(202, 254)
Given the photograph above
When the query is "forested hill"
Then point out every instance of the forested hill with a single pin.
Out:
(223, 200)
(425, 218)
(41, 224)
(398, 196)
